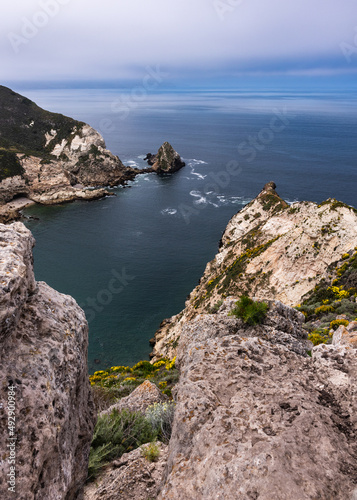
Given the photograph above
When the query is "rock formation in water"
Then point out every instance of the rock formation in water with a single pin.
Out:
(166, 161)
(51, 158)
(43, 357)
(269, 250)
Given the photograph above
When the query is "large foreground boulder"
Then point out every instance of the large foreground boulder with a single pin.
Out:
(43, 360)
(258, 418)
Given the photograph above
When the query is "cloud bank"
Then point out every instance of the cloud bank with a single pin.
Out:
(111, 39)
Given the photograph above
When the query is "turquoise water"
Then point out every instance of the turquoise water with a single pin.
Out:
(131, 260)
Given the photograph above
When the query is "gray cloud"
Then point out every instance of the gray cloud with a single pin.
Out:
(82, 39)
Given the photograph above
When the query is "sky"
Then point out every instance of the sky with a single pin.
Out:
(188, 42)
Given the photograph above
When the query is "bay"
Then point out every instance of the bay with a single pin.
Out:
(131, 260)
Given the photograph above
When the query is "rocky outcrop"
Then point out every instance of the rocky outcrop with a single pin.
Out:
(43, 357)
(139, 400)
(258, 418)
(166, 161)
(269, 250)
(132, 477)
(51, 158)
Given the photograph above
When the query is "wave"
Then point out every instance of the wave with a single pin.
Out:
(169, 211)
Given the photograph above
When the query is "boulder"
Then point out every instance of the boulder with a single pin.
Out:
(256, 419)
(43, 359)
(132, 477)
(143, 396)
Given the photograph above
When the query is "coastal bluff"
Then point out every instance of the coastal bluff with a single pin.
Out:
(269, 250)
(50, 158)
(43, 359)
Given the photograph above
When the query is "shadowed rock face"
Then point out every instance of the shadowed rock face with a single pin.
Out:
(166, 161)
(43, 355)
(257, 420)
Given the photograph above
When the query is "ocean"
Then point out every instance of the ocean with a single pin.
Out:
(131, 260)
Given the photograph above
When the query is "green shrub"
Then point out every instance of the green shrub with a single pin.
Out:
(323, 309)
(319, 336)
(250, 311)
(116, 434)
(150, 451)
(160, 417)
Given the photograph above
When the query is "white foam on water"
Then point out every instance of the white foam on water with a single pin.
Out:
(169, 211)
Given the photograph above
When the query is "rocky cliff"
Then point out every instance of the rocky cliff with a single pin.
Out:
(43, 359)
(51, 158)
(256, 417)
(269, 250)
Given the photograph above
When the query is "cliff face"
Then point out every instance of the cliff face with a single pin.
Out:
(269, 250)
(43, 355)
(49, 157)
(258, 419)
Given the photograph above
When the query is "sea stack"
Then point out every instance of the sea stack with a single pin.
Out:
(166, 161)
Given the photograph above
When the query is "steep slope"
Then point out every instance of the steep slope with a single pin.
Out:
(269, 250)
(50, 157)
(43, 366)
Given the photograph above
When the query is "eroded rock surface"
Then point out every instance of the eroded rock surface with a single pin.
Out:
(132, 477)
(44, 339)
(255, 419)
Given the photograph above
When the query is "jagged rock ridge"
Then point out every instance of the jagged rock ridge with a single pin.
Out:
(44, 340)
(269, 250)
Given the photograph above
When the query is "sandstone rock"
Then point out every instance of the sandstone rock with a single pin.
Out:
(44, 338)
(256, 420)
(268, 251)
(346, 336)
(132, 477)
(143, 396)
(166, 161)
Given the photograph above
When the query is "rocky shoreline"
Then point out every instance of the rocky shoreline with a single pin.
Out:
(51, 159)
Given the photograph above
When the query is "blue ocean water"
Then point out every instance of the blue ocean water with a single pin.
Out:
(131, 260)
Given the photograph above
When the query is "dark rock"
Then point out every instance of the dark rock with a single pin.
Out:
(166, 161)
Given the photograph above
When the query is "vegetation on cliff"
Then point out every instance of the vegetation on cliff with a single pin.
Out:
(119, 432)
(333, 301)
(23, 125)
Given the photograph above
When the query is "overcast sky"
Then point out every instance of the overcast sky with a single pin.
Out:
(119, 39)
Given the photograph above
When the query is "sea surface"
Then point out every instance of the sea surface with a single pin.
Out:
(130, 260)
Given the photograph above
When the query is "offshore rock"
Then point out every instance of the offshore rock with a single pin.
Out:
(132, 477)
(269, 250)
(43, 355)
(166, 161)
(255, 419)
